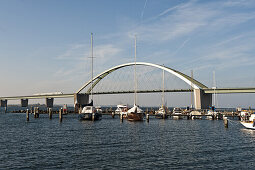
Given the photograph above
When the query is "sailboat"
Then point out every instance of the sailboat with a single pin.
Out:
(162, 112)
(135, 113)
(212, 113)
(89, 112)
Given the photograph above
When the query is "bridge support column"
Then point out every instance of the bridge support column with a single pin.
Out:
(3, 103)
(49, 102)
(80, 100)
(202, 100)
(24, 102)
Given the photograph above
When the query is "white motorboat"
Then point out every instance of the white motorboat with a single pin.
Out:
(89, 112)
(248, 121)
(177, 112)
(122, 110)
(161, 113)
(195, 114)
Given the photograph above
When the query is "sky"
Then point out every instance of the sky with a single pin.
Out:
(45, 44)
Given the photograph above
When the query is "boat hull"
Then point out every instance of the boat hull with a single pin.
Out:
(161, 116)
(89, 116)
(135, 117)
(177, 117)
(248, 125)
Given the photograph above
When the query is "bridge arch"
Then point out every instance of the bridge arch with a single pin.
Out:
(190, 81)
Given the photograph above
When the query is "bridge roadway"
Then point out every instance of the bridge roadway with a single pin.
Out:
(71, 95)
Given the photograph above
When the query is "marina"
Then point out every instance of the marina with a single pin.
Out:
(127, 84)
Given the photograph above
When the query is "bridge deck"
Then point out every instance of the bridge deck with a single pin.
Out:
(70, 95)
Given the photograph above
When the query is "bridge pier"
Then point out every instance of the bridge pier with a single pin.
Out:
(49, 102)
(80, 100)
(202, 100)
(3, 103)
(24, 102)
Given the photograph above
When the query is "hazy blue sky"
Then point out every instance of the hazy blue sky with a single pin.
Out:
(44, 44)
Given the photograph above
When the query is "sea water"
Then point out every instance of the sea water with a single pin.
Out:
(111, 144)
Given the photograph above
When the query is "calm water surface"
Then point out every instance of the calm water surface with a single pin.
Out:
(109, 144)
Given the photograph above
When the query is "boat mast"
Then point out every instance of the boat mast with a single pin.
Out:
(92, 66)
(135, 81)
(214, 88)
(192, 93)
(163, 87)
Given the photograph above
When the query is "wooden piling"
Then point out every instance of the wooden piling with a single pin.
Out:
(27, 115)
(147, 117)
(113, 115)
(36, 112)
(5, 109)
(225, 120)
(50, 113)
(93, 116)
(60, 115)
(121, 117)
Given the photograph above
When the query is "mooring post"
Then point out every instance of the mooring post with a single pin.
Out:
(50, 113)
(121, 117)
(189, 117)
(34, 112)
(37, 112)
(164, 116)
(93, 116)
(148, 117)
(27, 115)
(60, 115)
(113, 114)
(225, 120)
(5, 110)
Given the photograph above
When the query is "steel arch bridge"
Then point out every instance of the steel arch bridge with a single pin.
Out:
(202, 94)
(201, 100)
(190, 81)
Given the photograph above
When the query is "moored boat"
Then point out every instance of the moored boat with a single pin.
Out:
(248, 121)
(122, 110)
(135, 114)
(90, 113)
(177, 112)
(195, 114)
(161, 113)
